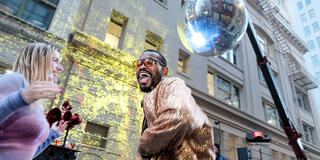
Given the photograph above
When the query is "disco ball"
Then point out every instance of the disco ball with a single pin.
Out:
(212, 27)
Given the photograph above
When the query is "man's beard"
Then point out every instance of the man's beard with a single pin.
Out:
(146, 89)
(155, 81)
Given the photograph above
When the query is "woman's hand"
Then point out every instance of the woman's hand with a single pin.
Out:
(41, 90)
(61, 126)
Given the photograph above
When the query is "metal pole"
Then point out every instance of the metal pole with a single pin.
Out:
(65, 137)
(287, 125)
(220, 136)
(260, 152)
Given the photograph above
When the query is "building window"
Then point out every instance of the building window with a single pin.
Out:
(302, 100)
(261, 77)
(223, 89)
(115, 29)
(262, 41)
(37, 12)
(303, 17)
(315, 27)
(271, 114)
(312, 14)
(227, 92)
(95, 135)
(307, 31)
(311, 45)
(300, 5)
(183, 62)
(315, 60)
(318, 41)
(318, 76)
(308, 2)
(210, 82)
(232, 146)
(308, 133)
(232, 56)
(153, 41)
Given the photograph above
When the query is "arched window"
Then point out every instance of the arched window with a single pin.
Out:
(265, 42)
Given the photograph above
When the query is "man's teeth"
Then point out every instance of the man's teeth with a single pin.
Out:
(144, 75)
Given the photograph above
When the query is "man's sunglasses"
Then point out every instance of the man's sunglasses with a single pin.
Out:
(148, 62)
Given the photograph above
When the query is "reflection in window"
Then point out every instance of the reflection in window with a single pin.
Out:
(236, 97)
(262, 41)
(37, 12)
(231, 56)
(308, 133)
(302, 100)
(223, 89)
(228, 92)
(271, 115)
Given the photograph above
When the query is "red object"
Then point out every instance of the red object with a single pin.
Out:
(293, 136)
(75, 120)
(66, 106)
(57, 142)
(67, 115)
(72, 145)
(90, 47)
(257, 134)
(66, 103)
(53, 116)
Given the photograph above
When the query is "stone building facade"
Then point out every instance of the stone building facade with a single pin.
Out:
(99, 39)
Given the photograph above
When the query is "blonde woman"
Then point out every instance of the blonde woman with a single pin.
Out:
(24, 130)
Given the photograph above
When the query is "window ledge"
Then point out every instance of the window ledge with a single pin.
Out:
(310, 144)
(225, 60)
(183, 74)
(161, 4)
(305, 111)
(225, 103)
(17, 25)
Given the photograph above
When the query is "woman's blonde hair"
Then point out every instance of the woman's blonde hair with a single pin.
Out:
(34, 62)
